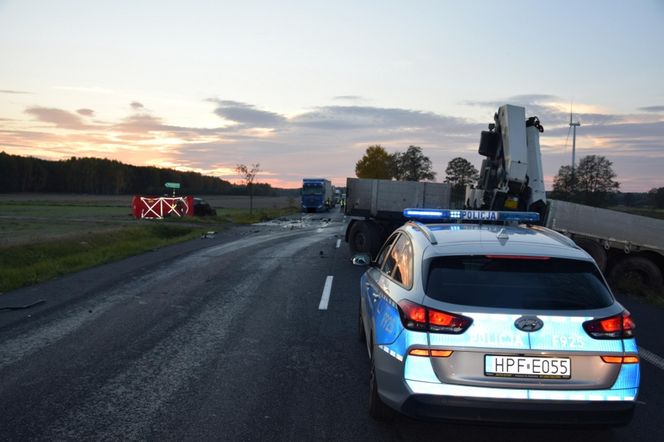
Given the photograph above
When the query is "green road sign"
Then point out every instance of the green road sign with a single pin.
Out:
(172, 185)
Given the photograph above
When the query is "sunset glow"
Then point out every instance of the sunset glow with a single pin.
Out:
(204, 86)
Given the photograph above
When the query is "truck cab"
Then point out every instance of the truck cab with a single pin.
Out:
(316, 195)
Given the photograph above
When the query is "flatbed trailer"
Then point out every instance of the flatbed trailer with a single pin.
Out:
(376, 208)
(620, 243)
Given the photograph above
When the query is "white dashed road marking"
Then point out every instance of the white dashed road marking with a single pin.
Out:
(325, 299)
(652, 358)
(338, 243)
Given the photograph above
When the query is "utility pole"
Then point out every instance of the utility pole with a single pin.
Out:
(573, 126)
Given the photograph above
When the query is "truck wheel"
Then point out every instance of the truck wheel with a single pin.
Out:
(640, 268)
(595, 250)
(364, 238)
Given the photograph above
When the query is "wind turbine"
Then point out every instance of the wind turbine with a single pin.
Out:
(573, 126)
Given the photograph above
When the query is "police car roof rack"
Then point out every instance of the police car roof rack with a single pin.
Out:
(425, 230)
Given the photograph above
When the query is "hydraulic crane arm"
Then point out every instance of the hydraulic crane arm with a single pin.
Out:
(511, 174)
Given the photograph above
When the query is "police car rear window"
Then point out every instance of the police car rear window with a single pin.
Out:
(557, 284)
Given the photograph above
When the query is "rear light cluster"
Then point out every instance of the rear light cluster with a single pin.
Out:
(430, 352)
(621, 359)
(614, 327)
(420, 318)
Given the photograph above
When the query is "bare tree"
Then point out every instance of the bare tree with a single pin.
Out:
(248, 174)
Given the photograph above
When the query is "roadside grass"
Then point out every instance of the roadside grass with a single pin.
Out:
(634, 287)
(27, 264)
(40, 240)
(26, 222)
(63, 211)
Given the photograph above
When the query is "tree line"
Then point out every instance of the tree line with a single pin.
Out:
(413, 165)
(108, 177)
(592, 181)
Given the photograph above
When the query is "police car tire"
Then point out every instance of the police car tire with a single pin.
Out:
(377, 408)
(643, 268)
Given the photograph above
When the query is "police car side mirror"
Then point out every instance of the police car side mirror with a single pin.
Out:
(361, 259)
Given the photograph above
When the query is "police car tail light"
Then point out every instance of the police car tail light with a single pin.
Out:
(621, 359)
(443, 322)
(425, 352)
(413, 316)
(420, 318)
(614, 327)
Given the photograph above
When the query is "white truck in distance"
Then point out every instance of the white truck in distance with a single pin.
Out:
(623, 245)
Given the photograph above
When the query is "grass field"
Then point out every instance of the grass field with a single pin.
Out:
(643, 211)
(47, 235)
(28, 218)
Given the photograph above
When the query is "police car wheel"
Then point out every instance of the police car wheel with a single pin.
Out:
(377, 408)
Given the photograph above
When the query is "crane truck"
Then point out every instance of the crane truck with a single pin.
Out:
(511, 178)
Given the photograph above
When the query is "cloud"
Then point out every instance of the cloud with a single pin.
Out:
(348, 98)
(86, 112)
(92, 90)
(139, 123)
(652, 108)
(247, 115)
(520, 100)
(328, 140)
(6, 91)
(366, 117)
(617, 128)
(136, 105)
(61, 118)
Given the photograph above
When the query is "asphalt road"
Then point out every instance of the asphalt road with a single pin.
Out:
(224, 339)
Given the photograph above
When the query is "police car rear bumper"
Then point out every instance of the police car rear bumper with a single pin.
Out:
(569, 413)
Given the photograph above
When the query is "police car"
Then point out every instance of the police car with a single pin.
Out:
(483, 316)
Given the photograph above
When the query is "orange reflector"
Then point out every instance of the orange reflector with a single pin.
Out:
(441, 353)
(621, 359)
(434, 353)
(419, 352)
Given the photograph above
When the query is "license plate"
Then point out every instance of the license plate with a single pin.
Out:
(527, 367)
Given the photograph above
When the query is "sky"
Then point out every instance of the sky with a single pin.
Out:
(304, 87)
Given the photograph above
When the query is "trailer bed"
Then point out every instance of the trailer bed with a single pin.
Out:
(618, 228)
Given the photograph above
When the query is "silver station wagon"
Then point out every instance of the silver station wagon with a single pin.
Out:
(486, 317)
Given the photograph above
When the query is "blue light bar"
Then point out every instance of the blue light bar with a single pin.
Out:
(470, 215)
